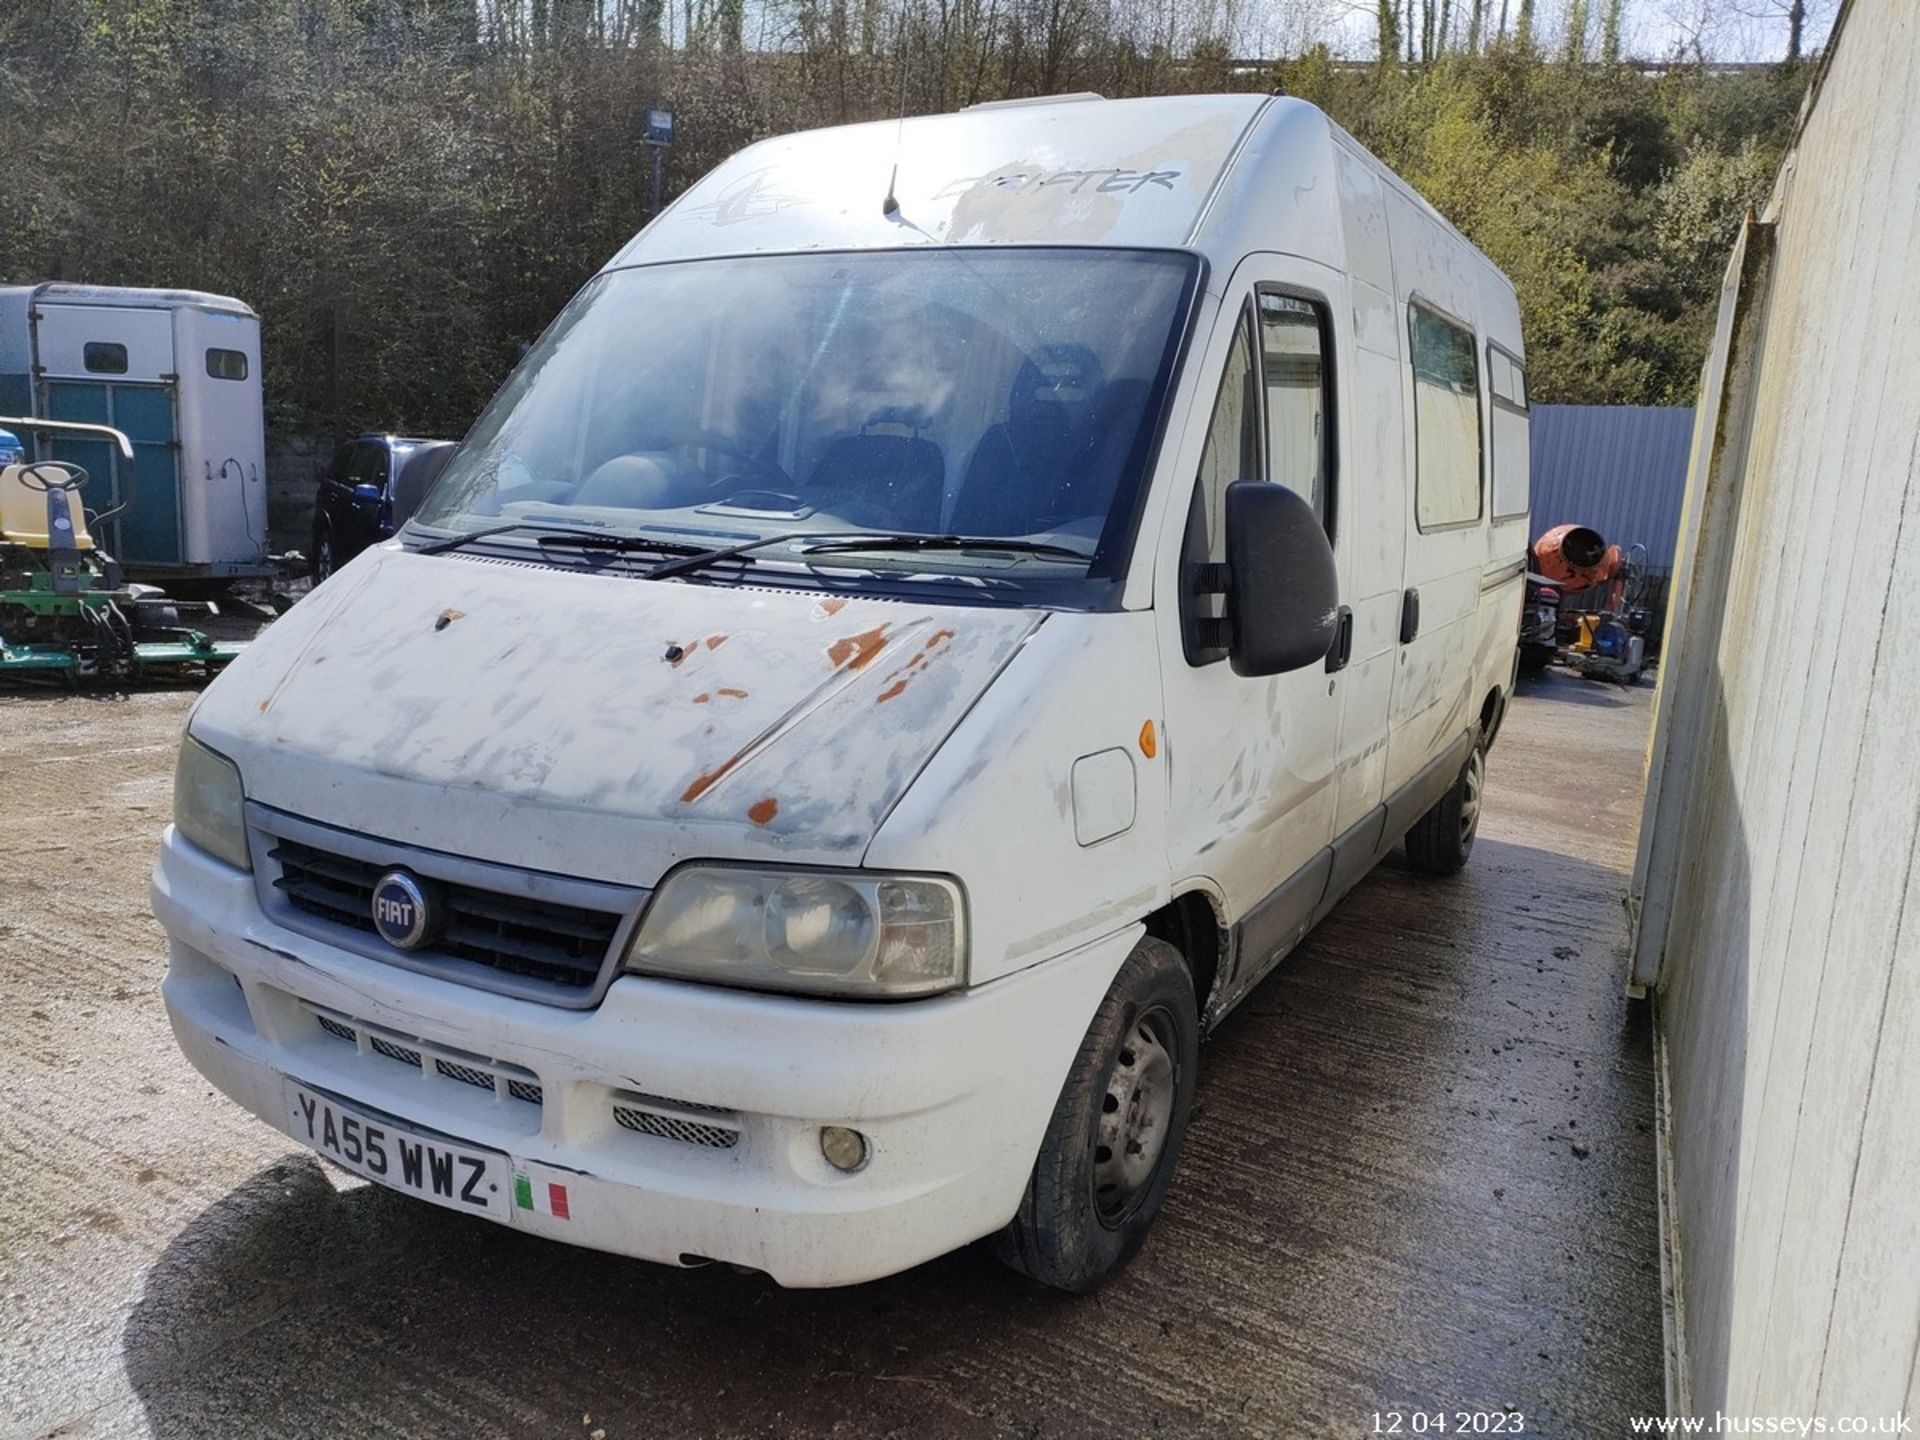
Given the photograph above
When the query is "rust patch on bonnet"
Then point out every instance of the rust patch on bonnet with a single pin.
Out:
(938, 638)
(761, 811)
(714, 642)
(831, 606)
(735, 694)
(447, 617)
(891, 691)
(702, 698)
(856, 652)
(706, 782)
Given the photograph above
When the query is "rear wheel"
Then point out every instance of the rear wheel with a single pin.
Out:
(1442, 839)
(1111, 1147)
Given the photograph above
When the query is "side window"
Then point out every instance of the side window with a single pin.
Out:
(1296, 367)
(369, 465)
(1233, 447)
(1511, 460)
(1232, 453)
(1446, 421)
(227, 364)
(103, 357)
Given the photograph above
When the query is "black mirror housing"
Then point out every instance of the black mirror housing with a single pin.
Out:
(1283, 594)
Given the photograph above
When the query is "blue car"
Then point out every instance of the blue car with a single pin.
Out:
(367, 493)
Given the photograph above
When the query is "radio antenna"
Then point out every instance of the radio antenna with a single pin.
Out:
(890, 207)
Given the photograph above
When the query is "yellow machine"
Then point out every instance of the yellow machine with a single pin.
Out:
(24, 510)
(63, 607)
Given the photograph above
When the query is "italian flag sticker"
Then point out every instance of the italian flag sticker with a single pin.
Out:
(545, 1199)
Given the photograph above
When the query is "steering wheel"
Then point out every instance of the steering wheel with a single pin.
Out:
(67, 477)
(709, 440)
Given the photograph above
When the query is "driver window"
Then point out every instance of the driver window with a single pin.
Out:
(1232, 453)
(1293, 361)
(1233, 446)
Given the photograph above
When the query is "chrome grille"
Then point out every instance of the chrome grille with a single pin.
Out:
(560, 945)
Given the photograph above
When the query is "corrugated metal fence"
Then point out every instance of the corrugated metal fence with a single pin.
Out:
(1620, 468)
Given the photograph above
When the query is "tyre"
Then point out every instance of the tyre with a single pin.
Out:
(322, 551)
(1442, 839)
(1114, 1139)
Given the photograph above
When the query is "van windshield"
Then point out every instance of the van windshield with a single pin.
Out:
(999, 393)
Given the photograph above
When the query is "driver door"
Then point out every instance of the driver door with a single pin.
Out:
(1254, 762)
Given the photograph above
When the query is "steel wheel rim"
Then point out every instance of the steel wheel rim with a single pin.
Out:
(1136, 1116)
(1470, 797)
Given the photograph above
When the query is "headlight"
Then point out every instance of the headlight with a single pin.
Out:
(823, 931)
(207, 803)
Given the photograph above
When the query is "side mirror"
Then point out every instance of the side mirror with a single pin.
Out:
(1283, 595)
(416, 477)
(367, 495)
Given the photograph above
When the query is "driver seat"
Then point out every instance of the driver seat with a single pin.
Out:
(1026, 468)
(24, 512)
(881, 481)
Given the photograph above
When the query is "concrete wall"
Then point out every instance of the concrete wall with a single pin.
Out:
(1779, 891)
(295, 464)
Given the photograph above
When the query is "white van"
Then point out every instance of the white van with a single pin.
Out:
(924, 632)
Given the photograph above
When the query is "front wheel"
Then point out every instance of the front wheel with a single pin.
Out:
(1442, 839)
(323, 563)
(1110, 1149)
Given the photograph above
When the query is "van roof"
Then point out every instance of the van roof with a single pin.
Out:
(1068, 171)
(1223, 174)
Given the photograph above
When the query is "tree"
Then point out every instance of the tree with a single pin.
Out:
(1388, 24)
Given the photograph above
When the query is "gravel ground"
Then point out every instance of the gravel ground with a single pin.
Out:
(1420, 1177)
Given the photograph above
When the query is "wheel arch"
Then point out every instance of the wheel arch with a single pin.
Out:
(1493, 712)
(1194, 924)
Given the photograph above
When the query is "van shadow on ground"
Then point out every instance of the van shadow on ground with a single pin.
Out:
(1567, 688)
(1421, 1174)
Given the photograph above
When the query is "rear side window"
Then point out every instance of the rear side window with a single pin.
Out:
(227, 364)
(104, 357)
(1446, 421)
(1295, 365)
(1507, 379)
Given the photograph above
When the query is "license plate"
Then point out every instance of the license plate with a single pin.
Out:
(428, 1166)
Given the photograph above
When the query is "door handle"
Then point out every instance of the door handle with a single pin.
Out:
(1409, 616)
(1342, 649)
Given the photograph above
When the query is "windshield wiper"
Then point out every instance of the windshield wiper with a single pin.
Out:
(558, 535)
(951, 542)
(833, 541)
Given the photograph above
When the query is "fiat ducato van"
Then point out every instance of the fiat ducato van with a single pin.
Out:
(924, 632)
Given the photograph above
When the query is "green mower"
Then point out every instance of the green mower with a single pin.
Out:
(65, 611)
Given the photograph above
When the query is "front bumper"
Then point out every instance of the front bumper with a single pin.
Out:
(953, 1094)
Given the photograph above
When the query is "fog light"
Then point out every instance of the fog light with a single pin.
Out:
(845, 1149)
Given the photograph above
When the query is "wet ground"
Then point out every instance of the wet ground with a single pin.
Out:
(1420, 1178)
